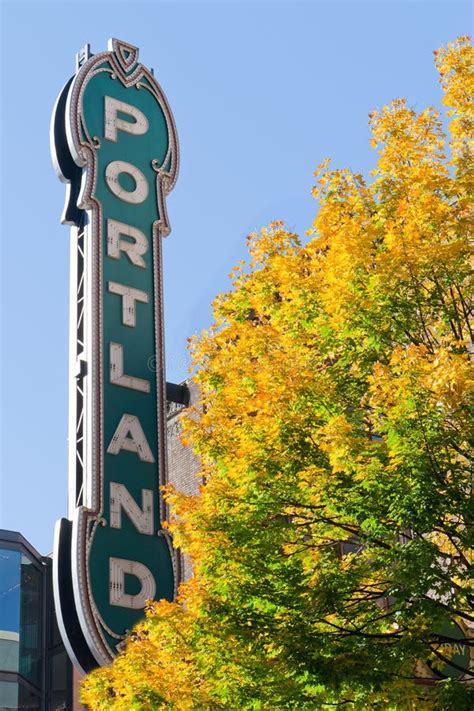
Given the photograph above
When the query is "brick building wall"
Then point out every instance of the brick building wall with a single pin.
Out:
(183, 465)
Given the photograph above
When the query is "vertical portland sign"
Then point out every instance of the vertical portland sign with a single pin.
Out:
(114, 143)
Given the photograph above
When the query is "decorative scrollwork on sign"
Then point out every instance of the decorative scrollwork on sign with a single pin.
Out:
(117, 193)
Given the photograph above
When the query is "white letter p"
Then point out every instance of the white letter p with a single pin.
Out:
(114, 124)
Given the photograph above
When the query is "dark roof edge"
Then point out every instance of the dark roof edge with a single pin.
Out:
(21, 541)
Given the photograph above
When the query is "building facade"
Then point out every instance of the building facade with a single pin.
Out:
(183, 464)
(35, 672)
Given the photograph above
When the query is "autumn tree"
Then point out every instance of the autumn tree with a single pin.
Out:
(332, 541)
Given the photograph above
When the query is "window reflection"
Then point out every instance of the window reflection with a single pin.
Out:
(59, 681)
(14, 697)
(30, 621)
(34, 667)
(27, 700)
(8, 695)
(9, 609)
(20, 616)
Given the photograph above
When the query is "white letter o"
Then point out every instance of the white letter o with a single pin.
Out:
(112, 172)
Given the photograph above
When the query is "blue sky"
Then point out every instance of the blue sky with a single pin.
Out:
(261, 93)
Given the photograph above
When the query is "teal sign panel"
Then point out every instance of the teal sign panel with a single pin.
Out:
(451, 657)
(115, 144)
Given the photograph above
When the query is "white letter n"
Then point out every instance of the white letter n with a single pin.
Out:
(142, 518)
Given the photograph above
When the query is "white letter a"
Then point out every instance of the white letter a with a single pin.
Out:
(129, 435)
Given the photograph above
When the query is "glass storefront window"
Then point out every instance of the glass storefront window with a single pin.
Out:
(59, 681)
(20, 615)
(35, 671)
(10, 579)
(15, 697)
(31, 607)
(8, 696)
(27, 700)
